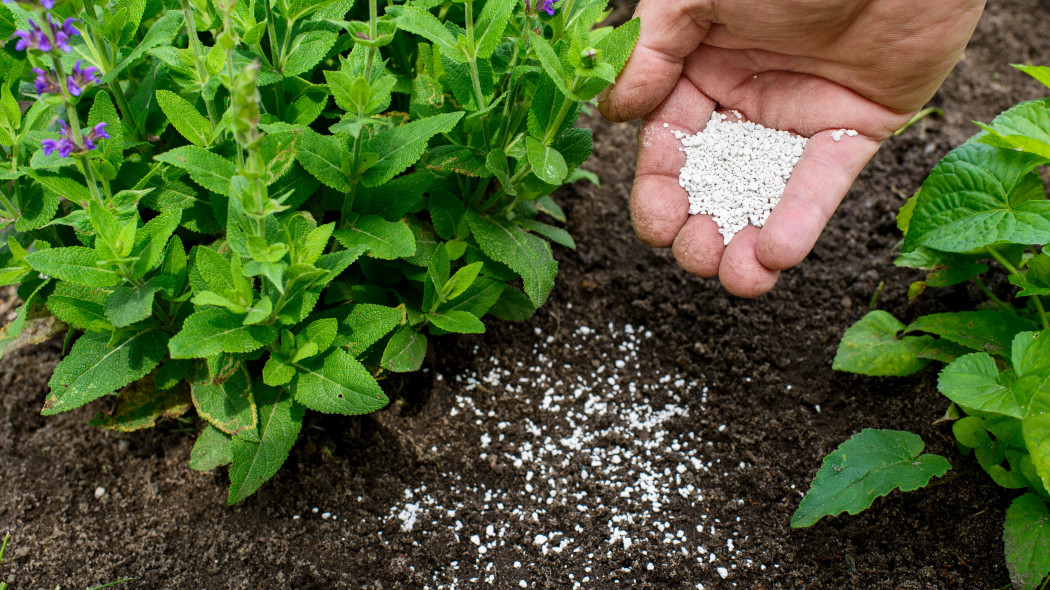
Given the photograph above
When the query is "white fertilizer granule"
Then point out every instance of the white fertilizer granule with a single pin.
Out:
(736, 171)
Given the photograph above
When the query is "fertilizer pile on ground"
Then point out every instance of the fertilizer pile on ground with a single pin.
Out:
(736, 171)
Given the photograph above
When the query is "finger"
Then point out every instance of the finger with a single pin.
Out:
(671, 30)
(659, 204)
(698, 247)
(740, 271)
(817, 185)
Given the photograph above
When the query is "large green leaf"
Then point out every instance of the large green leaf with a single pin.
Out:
(160, 33)
(95, 367)
(368, 323)
(419, 21)
(207, 169)
(323, 156)
(399, 147)
(1024, 127)
(872, 347)
(256, 458)
(75, 264)
(186, 119)
(1036, 432)
(130, 303)
(528, 255)
(458, 321)
(307, 51)
(338, 384)
(212, 449)
(405, 350)
(79, 306)
(228, 405)
(386, 240)
(969, 201)
(985, 330)
(974, 381)
(870, 464)
(547, 163)
(212, 330)
(488, 32)
(1026, 537)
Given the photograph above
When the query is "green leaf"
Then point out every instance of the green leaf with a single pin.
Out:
(276, 372)
(141, 405)
(1036, 432)
(257, 459)
(405, 351)
(460, 322)
(386, 240)
(1026, 537)
(479, 298)
(547, 164)
(973, 382)
(186, 119)
(151, 240)
(207, 169)
(212, 450)
(1024, 127)
(228, 405)
(968, 202)
(462, 280)
(306, 51)
(95, 367)
(419, 21)
(131, 303)
(552, 65)
(1036, 278)
(395, 199)
(488, 31)
(162, 32)
(554, 234)
(513, 306)
(323, 156)
(872, 347)
(870, 464)
(79, 306)
(368, 324)
(39, 211)
(212, 330)
(990, 331)
(75, 264)
(526, 254)
(338, 384)
(400, 147)
(1040, 73)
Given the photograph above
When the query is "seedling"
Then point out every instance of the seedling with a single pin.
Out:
(985, 202)
(252, 209)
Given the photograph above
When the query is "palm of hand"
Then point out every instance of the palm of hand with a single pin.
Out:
(808, 66)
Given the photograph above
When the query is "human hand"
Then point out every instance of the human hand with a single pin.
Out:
(807, 66)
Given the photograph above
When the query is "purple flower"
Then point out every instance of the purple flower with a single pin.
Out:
(66, 145)
(34, 38)
(80, 78)
(544, 5)
(47, 4)
(46, 82)
(63, 33)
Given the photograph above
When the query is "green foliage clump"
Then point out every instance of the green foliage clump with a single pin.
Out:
(985, 201)
(276, 204)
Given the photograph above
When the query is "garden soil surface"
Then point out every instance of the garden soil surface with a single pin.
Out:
(673, 427)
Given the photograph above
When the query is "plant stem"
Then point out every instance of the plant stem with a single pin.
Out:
(272, 33)
(373, 32)
(566, 106)
(78, 138)
(198, 57)
(988, 293)
(472, 63)
(348, 198)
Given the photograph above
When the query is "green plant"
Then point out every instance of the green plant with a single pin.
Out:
(984, 201)
(274, 204)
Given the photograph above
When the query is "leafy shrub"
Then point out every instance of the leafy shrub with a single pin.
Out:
(984, 201)
(273, 222)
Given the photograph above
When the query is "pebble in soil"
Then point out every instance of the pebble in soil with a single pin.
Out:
(608, 488)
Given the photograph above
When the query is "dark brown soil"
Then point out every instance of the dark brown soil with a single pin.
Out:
(168, 527)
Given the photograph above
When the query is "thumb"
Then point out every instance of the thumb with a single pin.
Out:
(671, 30)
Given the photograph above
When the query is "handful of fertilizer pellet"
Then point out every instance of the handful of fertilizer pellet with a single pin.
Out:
(736, 171)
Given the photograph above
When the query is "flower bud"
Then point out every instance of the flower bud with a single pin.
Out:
(245, 104)
(589, 57)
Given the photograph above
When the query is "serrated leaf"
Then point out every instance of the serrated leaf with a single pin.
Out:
(870, 464)
(141, 405)
(400, 147)
(552, 233)
(338, 384)
(386, 240)
(38, 212)
(94, 368)
(1023, 127)
(1036, 435)
(306, 51)
(985, 330)
(186, 119)
(1026, 537)
(395, 199)
(551, 63)
(79, 306)
(966, 202)
(212, 450)
(207, 169)
(488, 31)
(460, 322)
(526, 254)
(228, 405)
(368, 324)
(151, 241)
(547, 163)
(405, 351)
(872, 347)
(63, 187)
(131, 303)
(211, 330)
(973, 382)
(75, 264)
(162, 32)
(419, 21)
(256, 461)
(323, 157)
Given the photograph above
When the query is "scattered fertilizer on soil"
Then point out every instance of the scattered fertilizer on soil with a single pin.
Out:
(736, 171)
(607, 487)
